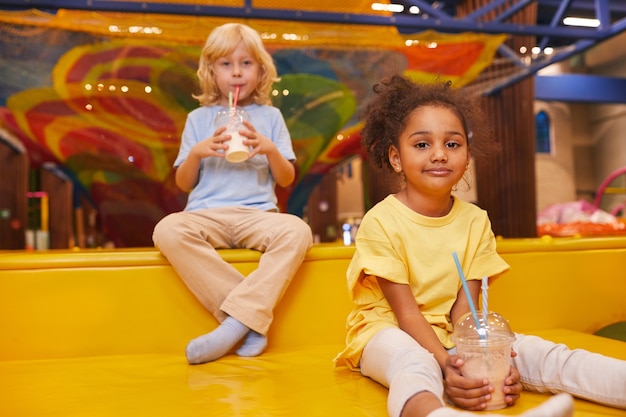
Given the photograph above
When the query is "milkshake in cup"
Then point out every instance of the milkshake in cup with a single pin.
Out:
(486, 350)
(233, 119)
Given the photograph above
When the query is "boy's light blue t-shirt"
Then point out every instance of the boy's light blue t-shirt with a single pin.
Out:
(225, 184)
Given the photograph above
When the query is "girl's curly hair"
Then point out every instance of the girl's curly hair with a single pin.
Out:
(386, 116)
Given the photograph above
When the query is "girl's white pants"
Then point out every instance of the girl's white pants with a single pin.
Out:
(395, 360)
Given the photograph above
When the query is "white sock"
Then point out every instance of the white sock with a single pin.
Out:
(561, 405)
(217, 343)
(450, 412)
(253, 345)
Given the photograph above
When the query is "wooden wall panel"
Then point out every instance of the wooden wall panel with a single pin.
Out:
(59, 188)
(506, 184)
(13, 187)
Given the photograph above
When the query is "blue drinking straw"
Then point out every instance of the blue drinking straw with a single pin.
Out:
(479, 328)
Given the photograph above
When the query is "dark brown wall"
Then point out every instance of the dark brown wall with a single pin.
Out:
(13, 187)
(506, 184)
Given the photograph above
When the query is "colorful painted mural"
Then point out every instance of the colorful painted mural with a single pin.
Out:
(108, 107)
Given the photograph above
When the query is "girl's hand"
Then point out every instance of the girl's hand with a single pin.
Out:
(213, 146)
(466, 393)
(260, 144)
(512, 386)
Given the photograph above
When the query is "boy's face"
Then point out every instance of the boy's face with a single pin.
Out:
(238, 69)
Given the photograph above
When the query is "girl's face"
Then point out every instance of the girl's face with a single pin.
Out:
(238, 69)
(433, 151)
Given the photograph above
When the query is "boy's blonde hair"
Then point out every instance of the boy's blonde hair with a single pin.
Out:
(221, 42)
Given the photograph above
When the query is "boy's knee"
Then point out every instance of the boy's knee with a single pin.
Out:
(162, 232)
(156, 233)
(301, 231)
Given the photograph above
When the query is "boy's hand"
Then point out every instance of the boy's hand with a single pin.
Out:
(213, 146)
(260, 144)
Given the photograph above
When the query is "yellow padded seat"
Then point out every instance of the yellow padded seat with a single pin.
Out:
(102, 333)
(281, 382)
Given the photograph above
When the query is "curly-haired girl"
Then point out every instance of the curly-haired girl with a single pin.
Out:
(403, 279)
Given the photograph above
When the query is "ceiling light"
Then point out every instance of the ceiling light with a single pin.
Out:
(395, 8)
(414, 10)
(581, 21)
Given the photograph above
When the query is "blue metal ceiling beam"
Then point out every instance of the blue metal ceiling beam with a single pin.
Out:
(556, 19)
(404, 22)
(579, 88)
(431, 18)
(510, 11)
(575, 49)
(586, 5)
(425, 7)
(603, 13)
(484, 10)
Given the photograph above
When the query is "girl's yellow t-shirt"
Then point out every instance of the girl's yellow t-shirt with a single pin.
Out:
(402, 246)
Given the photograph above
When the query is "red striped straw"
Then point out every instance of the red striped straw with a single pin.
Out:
(236, 96)
(232, 113)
